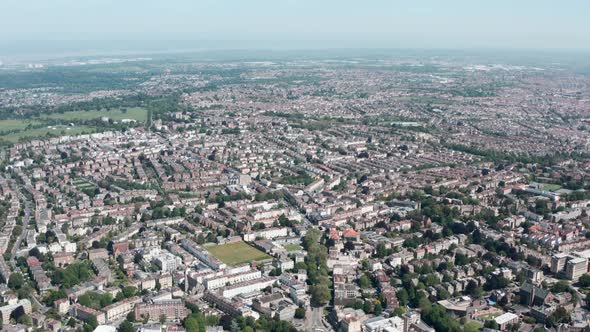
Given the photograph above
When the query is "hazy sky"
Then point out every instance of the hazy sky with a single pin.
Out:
(314, 23)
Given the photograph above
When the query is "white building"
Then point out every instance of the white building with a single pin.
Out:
(506, 319)
(284, 264)
(167, 262)
(268, 233)
(247, 287)
(231, 279)
(381, 324)
(202, 254)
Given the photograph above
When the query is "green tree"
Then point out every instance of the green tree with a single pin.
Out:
(399, 311)
(212, 320)
(381, 250)
(402, 297)
(127, 292)
(364, 282)
(443, 294)
(15, 281)
(72, 275)
(378, 309)
(584, 280)
(105, 300)
(461, 260)
(437, 317)
(92, 322)
(299, 313)
(126, 326)
(368, 307)
(25, 320)
(491, 324)
(560, 287)
(54, 295)
(317, 269)
(320, 294)
(195, 322)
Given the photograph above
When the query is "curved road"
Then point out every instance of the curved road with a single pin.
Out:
(19, 240)
(22, 235)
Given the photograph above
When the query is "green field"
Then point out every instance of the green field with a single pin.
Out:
(292, 247)
(82, 184)
(551, 187)
(17, 130)
(472, 326)
(39, 133)
(135, 113)
(490, 316)
(237, 253)
(15, 124)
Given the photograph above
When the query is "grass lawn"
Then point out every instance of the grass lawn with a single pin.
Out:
(136, 113)
(22, 132)
(489, 316)
(81, 184)
(472, 326)
(292, 247)
(237, 253)
(39, 133)
(15, 124)
(551, 187)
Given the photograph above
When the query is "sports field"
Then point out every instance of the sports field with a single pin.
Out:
(237, 253)
(16, 124)
(134, 113)
(59, 124)
(37, 133)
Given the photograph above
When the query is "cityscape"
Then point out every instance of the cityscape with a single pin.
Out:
(334, 190)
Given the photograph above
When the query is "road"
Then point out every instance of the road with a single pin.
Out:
(43, 308)
(315, 321)
(20, 238)
(581, 297)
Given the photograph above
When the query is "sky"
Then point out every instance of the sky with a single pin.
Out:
(449, 24)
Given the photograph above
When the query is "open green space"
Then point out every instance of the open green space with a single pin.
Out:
(16, 130)
(551, 187)
(490, 316)
(292, 247)
(82, 184)
(472, 326)
(39, 133)
(138, 114)
(16, 124)
(237, 253)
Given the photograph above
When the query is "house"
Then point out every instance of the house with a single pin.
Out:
(505, 320)
(62, 306)
(532, 295)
